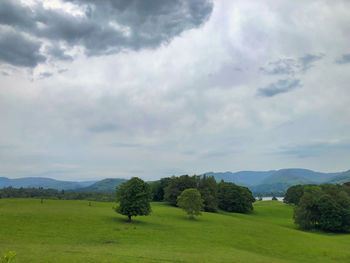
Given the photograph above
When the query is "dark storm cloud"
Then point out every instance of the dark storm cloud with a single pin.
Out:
(344, 59)
(106, 26)
(280, 86)
(58, 53)
(18, 50)
(291, 66)
(12, 13)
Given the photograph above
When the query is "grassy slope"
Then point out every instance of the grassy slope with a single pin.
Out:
(71, 231)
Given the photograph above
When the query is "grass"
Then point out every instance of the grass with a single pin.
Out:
(72, 231)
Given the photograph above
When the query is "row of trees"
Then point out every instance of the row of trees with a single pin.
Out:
(192, 193)
(226, 196)
(11, 192)
(325, 207)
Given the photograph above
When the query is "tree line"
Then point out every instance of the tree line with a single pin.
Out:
(325, 206)
(191, 193)
(11, 192)
(226, 196)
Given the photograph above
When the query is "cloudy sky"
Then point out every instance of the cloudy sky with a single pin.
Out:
(152, 88)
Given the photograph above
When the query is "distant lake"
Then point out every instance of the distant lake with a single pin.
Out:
(269, 198)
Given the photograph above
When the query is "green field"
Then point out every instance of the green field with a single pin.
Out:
(72, 231)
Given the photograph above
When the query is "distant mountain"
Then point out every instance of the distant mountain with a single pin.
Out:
(245, 178)
(340, 179)
(105, 185)
(279, 181)
(298, 176)
(36, 182)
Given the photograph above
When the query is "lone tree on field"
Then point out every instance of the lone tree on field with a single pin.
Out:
(190, 200)
(134, 198)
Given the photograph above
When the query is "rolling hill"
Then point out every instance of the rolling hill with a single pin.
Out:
(340, 179)
(105, 185)
(245, 178)
(278, 181)
(71, 231)
(36, 182)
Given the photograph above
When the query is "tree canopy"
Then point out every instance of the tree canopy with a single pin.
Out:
(326, 207)
(190, 200)
(234, 198)
(134, 198)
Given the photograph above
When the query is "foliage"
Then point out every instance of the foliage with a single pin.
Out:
(134, 198)
(158, 189)
(177, 185)
(190, 200)
(274, 198)
(9, 257)
(294, 194)
(234, 198)
(206, 185)
(208, 189)
(326, 207)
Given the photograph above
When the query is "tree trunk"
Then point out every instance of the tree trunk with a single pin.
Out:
(129, 218)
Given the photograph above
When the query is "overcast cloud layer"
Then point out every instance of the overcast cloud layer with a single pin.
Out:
(155, 88)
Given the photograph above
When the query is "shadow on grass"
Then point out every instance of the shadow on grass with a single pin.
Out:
(134, 222)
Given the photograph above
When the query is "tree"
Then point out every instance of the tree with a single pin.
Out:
(158, 188)
(134, 198)
(326, 207)
(208, 188)
(234, 198)
(274, 198)
(176, 185)
(190, 200)
(294, 194)
(306, 213)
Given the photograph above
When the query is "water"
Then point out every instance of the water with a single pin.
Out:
(268, 198)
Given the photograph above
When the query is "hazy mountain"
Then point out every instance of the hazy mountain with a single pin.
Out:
(279, 181)
(274, 181)
(36, 182)
(298, 176)
(245, 178)
(105, 185)
(340, 179)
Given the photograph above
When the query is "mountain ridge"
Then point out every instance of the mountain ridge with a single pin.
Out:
(259, 182)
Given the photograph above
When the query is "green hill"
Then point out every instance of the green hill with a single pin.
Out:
(340, 179)
(36, 182)
(245, 178)
(105, 185)
(71, 231)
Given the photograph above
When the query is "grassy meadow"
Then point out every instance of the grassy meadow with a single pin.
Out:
(72, 231)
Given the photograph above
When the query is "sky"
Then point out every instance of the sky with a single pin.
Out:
(154, 88)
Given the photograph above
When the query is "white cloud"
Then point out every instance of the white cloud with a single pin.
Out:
(189, 105)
